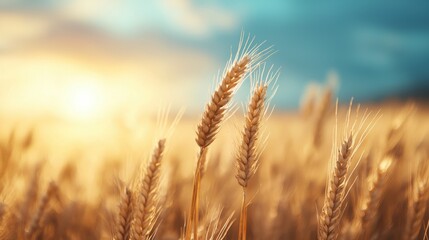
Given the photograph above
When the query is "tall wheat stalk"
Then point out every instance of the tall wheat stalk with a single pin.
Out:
(145, 209)
(370, 207)
(338, 180)
(40, 211)
(322, 112)
(417, 206)
(247, 158)
(215, 111)
(332, 207)
(123, 231)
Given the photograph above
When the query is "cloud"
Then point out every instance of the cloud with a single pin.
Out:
(199, 20)
(134, 73)
(20, 27)
(127, 17)
(365, 42)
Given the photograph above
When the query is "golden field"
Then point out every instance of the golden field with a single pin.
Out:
(323, 172)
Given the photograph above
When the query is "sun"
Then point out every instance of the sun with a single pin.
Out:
(84, 101)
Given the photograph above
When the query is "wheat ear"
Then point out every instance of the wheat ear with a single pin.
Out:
(332, 208)
(40, 211)
(417, 210)
(215, 109)
(247, 158)
(209, 126)
(377, 184)
(123, 231)
(321, 116)
(147, 194)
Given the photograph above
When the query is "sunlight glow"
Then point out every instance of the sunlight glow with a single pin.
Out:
(84, 101)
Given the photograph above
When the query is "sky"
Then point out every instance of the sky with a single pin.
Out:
(87, 57)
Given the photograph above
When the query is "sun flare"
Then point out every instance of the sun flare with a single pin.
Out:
(84, 101)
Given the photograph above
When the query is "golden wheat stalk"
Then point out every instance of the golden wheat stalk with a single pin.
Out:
(217, 228)
(123, 225)
(203, 164)
(145, 209)
(377, 184)
(338, 181)
(215, 111)
(31, 195)
(242, 227)
(209, 126)
(40, 211)
(321, 116)
(417, 210)
(395, 139)
(308, 102)
(332, 207)
(247, 158)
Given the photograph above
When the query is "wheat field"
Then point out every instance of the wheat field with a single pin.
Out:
(327, 171)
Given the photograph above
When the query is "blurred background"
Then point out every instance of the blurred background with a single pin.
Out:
(86, 57)
(86, 61)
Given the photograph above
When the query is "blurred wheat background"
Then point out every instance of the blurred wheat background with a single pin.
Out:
(181, 119)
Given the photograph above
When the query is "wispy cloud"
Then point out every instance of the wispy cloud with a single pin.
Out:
(181, 41)
(133, 73)
(128, 17)
(199, 20)
(20, 27)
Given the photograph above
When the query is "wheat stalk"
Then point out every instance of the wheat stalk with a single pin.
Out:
(417, 210)
(332, 211)
(247, 158)
(40, 211)
(332, 207)
(145, 208)
(321, 116)
(377, 184)
(209, 126)
(215, 111)
(123, 231)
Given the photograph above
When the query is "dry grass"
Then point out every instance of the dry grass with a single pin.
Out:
(373, 185)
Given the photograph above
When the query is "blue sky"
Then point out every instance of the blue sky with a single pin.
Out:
(378, 49)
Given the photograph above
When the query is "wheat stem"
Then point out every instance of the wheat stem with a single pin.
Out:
(417, 211)
(332, 207)
(208, 128)
(370, 207)
(123, 231)
(144, 215)
(35, 221)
